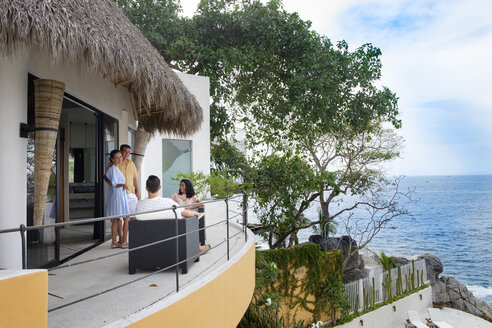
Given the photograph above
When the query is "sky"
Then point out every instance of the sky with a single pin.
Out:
(437, 58)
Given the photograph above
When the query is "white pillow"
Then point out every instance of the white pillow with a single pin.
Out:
(154, 216)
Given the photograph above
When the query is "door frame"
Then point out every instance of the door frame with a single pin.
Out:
(99, 227)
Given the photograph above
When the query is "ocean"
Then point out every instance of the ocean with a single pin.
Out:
(451, 218)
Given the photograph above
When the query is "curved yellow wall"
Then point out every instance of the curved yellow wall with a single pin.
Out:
(220, 303)
(24, 298)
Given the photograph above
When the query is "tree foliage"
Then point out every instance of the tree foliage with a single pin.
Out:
(315, 122)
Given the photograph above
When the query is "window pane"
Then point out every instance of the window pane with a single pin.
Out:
(176, 158)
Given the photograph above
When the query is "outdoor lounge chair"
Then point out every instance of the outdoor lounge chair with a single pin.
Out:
(438, 318)
(201, 226)
(163, 254)
(414, 318)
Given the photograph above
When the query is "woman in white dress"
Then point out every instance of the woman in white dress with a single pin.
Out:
(117, 201)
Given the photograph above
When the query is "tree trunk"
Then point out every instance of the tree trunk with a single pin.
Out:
(325, 216)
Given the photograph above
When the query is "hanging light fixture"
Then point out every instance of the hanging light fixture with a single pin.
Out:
(70, 142)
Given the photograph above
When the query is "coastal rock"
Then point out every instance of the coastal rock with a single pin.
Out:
(354, 274)
(449, 291)
(433, 265)
(401, 260)
(460, 298)
(354, 267)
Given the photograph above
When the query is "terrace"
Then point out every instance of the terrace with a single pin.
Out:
(95, 289)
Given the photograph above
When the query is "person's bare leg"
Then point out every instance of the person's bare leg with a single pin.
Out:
(125, 230)
(114, 233)
(114, 230)
(120, 232)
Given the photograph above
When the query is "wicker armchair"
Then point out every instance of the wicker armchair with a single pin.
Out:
(163, 254)
(201, 226)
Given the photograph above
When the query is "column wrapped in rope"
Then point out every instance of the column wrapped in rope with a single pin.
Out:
(142, 138)
(48, 103)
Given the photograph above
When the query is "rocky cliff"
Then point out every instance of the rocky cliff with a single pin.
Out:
(448, 291)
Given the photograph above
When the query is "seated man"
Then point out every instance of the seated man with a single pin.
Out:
(153, 203)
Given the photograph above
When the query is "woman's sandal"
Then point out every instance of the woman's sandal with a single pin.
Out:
(124, 245)
(115, 245)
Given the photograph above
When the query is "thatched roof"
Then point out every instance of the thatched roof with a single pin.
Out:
(97, 35)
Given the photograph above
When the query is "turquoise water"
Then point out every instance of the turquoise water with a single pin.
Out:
(452, 219)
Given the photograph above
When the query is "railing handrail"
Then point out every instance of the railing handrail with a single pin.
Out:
(175, 265)
(104, 218)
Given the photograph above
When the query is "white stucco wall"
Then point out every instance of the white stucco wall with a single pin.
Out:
(87, 86)
(90, 88)
(13, 111)
(395, 314)
(199, 86)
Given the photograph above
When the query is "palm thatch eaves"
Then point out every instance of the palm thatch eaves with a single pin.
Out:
(97, 35)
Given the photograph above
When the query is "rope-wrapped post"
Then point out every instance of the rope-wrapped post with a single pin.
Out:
(141, 140)
(48, 104)
(177, 247)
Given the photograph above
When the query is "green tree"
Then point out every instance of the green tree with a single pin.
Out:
(159, 22)
(283, 187)
(312, 112)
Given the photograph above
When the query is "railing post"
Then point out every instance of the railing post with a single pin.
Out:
(245, 215)
(177, 247)
(226, 199)
(380, 286)
(23, 240)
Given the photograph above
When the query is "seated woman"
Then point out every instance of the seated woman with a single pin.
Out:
(154, 202)
(186, 195)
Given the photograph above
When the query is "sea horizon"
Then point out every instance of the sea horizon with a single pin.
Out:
(452, 220)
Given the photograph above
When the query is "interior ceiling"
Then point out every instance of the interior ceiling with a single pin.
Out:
(77, 114)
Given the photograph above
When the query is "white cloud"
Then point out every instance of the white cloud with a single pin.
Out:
(433, 51)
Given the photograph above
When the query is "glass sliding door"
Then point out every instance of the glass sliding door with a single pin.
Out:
(80, 178)
(76, 186)
(110, 142)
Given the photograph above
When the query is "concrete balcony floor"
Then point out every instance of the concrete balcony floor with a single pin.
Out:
(73, 283)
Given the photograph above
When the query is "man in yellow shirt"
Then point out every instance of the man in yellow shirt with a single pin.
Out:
(129, 170)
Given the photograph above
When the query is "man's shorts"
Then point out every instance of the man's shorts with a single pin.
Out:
(132, 202)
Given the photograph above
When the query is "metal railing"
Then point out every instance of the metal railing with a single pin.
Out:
(240, 217)
(380, 285)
